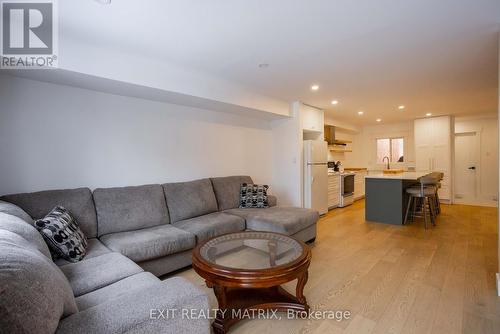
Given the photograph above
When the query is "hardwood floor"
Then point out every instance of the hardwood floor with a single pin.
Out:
(398, 279)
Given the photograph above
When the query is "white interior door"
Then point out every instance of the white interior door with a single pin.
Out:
(466, 168)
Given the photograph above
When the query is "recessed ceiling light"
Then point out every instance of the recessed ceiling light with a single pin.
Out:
(361, 112)
(428, 114)
(379, 119)
(334, 102)
(314, 87)
(401, 107)
(263, 65)
(104, 2)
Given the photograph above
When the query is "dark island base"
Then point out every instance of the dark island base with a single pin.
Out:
(386, 200)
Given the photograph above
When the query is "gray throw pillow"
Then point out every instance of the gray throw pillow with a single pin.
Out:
(253, 196)
(63, 235)
(34, 293)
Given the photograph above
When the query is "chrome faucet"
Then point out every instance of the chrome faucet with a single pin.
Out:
(386, 157)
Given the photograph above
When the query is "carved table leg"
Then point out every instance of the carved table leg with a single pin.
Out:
(301, 283)
(218, 325)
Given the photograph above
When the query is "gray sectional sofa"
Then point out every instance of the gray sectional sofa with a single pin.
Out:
(134, 235)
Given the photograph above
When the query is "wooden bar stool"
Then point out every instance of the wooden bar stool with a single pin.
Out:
(425, 193)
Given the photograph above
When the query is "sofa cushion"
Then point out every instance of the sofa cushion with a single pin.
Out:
(19, 226)
(94, 248)
(135, 312)
(78, 201)
(277, 219)
(130, 284)
(212, 225)
(227, 190)
(166, 264)
(149, 243)
(12, 209)
(14, 239)
(63, 235)
(97, 272)
(34, 294)
(130, 208)
(189, 199)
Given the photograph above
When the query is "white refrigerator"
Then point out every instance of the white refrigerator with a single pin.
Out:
(316, 175)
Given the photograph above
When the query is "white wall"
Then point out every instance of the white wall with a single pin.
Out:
(54, 136)
(487, 128)
(287, 159)
(107, 62)
(333, 121)
(364, 153)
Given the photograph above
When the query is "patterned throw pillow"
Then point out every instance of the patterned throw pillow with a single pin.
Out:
(63, 235)
(253, 196)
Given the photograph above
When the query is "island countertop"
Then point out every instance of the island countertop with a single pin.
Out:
(399, 176)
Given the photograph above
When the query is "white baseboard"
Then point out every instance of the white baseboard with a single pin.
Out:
(498, 284)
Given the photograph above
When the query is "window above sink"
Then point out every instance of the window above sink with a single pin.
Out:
(393, 148)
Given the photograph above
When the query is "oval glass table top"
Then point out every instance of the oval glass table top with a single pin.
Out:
(251, 250)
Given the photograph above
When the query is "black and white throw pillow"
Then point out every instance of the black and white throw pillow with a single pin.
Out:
(63, 235)
(253, 196)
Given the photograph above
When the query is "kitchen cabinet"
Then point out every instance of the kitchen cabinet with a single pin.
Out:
(333, 190)
(312, 118)
(433, 149)
(359, 184)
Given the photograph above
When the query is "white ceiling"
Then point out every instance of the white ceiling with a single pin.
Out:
(438, 56)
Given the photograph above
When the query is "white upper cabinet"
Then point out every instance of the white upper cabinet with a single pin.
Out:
(313, 119)
(433, 149)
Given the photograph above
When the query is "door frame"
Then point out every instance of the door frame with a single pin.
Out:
(477, 189)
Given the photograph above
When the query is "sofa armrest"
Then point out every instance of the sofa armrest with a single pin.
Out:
(272, 200)
(144, 311)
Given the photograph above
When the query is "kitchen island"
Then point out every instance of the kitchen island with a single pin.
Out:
(386, 198)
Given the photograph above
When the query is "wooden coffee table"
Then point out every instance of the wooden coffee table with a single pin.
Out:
(246, 271)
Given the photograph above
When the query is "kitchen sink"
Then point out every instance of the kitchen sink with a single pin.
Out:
(393, 171)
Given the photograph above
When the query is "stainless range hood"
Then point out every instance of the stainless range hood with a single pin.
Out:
(331, 138)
